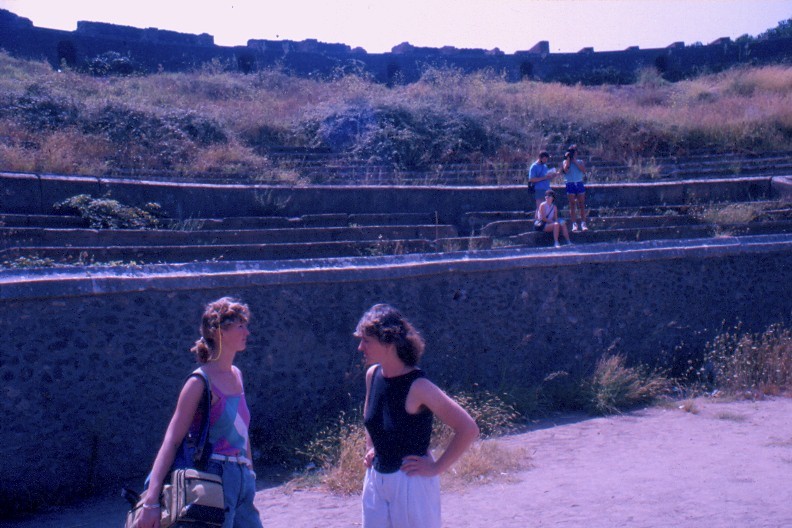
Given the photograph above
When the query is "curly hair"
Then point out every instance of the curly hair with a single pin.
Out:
(389, 326)
(218, 314)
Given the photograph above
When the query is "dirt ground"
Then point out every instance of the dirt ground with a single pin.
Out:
(726, 465)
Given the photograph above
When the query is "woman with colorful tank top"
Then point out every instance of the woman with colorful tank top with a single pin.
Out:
(402, 484)
(224, 333)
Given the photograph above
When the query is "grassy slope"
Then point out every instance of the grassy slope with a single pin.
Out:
(222, 123)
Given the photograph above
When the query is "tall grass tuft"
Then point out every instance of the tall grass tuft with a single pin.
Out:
(730, 214)
(615, 387)
(755, 362)
(492, 414)
(338, 450)
(485, 462)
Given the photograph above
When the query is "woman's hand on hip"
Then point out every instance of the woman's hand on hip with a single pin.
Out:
(369, 458)
(419, 466)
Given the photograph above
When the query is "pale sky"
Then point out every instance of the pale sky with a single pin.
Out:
(377, 26)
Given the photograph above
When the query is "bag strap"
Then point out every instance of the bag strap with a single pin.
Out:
(548, 213)
(206, 402)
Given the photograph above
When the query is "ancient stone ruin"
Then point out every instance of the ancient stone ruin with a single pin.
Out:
(152, 49)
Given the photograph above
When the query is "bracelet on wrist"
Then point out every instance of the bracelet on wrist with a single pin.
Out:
(151, 506)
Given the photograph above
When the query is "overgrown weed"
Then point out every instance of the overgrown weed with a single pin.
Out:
(751, 363)
(105, 213)
(487, 461)
(732, 214)
(615, 387)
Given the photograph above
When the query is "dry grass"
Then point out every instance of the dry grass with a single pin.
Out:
(615, 387)
(689, 406)
(338, 451)
(731, 416)
(732, 214)
(68, 122)
(487, 461)
(345, 476)
(780, 442)
(752, 363)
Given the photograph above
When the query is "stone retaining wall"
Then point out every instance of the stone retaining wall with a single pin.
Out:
(92, 359)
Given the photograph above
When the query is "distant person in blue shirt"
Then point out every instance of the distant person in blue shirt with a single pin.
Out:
(540, 176)
(574, 171)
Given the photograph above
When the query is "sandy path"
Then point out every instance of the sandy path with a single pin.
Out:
(727, 466)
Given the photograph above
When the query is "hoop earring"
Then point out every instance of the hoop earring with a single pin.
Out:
(219, 341)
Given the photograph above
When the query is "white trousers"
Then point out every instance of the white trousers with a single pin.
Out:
(394, 500)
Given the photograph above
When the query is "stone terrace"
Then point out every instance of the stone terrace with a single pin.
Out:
(326, 222)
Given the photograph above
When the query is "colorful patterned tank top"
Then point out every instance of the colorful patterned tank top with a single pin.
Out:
(229, 419)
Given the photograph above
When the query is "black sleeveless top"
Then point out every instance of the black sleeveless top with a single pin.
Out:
(394, 432)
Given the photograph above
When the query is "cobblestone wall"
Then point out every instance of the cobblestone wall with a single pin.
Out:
(89, 381)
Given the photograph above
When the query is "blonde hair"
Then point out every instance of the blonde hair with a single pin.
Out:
(218, 314)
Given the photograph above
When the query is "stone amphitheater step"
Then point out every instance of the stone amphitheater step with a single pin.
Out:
(310, 220)
(369, 219)
(479, 219)
(328, 168)
(34, 236)
(655, 233)
(784, 213)
(174, 254)
(275, 251)
(463, 243)
(513, 227)
(242, 222)
(22, 220)
(690, 167)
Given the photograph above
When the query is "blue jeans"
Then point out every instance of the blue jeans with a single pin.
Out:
(239, 490)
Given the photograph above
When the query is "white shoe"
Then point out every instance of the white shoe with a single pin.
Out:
(583, 226)
(557, 244)
(574, 227)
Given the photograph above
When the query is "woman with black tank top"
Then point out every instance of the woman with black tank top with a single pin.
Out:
(402, 484)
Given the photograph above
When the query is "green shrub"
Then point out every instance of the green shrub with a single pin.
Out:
(38, 110)
(406, 138)
(29, 262)
(104, 213)
(111, 63)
